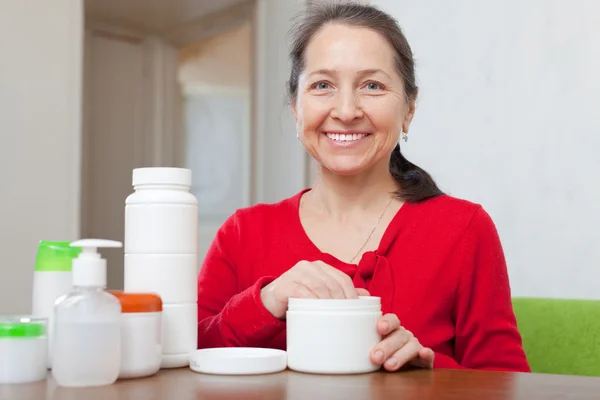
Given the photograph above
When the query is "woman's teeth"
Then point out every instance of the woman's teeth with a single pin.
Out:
(342, 137)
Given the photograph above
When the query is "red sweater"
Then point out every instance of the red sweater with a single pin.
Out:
(439, 267)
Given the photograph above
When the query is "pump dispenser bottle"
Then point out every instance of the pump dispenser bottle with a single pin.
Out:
(87, 323)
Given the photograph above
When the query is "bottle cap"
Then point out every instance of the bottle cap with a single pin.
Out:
(55, 256)
(162, 176)
(22, 327)
(89, 269)
(238, 361)
(138, 302)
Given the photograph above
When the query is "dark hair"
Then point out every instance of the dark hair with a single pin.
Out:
(415, 184)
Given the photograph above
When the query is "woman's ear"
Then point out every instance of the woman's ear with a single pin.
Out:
(410, 113)
(296, 120)
(295, 112)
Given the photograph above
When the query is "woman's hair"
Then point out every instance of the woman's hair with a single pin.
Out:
(415, 183)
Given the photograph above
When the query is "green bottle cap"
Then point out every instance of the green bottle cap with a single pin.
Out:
(55, 256)
(21, 328)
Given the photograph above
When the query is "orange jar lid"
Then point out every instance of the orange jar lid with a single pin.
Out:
(138, 302)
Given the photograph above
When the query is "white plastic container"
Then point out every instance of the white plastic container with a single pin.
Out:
(87, 336)
(161, 216)
(180, 328)
(161, 250)
(175, 360)
(331, 336)
(141, 333)
(52, 278)
(23, 349)
(169, 276)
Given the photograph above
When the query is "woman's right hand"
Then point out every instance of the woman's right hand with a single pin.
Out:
(308, 279)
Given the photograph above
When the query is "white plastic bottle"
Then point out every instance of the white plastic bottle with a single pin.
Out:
(161, 253)
(52, 278)
(87, 323)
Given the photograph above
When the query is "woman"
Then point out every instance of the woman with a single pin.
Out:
(372, 223)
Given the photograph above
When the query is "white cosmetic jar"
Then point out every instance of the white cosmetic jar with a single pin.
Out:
(141, 333)
(23, 349)
(332, 336)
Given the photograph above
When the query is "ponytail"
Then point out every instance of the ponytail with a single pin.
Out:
(416, 184)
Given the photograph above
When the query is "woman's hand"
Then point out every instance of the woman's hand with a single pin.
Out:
(308, 280)
(399, 347)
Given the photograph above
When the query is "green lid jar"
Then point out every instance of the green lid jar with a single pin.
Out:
(23, 349)
(22, 327)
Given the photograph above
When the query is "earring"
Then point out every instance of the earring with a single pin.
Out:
(297, 136)
(404, 136)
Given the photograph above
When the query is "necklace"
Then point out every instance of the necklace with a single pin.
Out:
(370, 233)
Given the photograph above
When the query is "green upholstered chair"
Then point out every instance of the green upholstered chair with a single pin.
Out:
(560, 336)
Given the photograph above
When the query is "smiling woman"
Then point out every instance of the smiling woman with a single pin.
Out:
(373, 223)
(382, 87)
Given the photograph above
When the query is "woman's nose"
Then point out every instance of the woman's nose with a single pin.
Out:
(347, 107)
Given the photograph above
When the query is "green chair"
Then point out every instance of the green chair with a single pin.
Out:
(560, 336)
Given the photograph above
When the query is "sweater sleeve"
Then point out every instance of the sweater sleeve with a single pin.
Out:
(486, 329)
(228, 317)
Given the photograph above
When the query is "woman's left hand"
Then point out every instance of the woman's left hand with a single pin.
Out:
(399, 347)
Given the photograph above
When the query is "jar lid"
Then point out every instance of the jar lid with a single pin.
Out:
(55, 256)
(22, 327)
(138, 302)
(238, 361)
(362, 303)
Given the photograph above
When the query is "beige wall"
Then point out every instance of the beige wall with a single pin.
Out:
(224, 60)
(210, 69)
(40, 118)
(113, 122)
(280, 162)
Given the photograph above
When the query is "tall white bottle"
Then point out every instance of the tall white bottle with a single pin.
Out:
(87, 323)
(161, 252)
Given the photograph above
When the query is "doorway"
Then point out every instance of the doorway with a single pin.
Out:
(166, 83)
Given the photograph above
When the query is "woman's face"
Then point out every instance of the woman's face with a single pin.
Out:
(351, 106)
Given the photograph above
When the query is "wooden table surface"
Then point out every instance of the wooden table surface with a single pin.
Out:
(183, 384)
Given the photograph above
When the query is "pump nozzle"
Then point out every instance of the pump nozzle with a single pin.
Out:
(91, 246)
(89, 269)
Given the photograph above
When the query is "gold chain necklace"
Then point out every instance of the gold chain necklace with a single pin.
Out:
(372, 230)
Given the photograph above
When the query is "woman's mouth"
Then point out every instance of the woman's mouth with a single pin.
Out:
(346, 137)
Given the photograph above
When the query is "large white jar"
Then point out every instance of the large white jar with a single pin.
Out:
(332, 336)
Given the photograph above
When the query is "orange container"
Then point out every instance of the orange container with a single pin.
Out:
(138, 302)
(141, 333)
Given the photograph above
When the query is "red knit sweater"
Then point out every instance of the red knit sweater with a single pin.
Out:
(439, 267)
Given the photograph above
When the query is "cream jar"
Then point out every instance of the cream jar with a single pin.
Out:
(332, 336)
(141, 334)
(23, 349)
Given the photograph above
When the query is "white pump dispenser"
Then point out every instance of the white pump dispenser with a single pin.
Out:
(87, 341)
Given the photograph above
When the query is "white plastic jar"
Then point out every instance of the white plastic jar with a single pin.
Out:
(23, 349)
(141, 334)
(332, 336)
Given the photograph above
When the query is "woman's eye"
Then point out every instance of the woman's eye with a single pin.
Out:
(373, 86)
(322, 85)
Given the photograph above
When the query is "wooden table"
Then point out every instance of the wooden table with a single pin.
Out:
(183, 384)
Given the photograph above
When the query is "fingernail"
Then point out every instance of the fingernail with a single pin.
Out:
(392, 361)
(379, 356)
